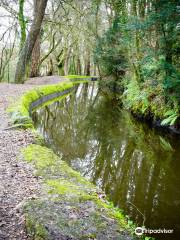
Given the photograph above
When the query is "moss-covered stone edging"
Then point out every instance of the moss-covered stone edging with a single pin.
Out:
(21, 110)
(71, 207)
(47, 98)
(80, 77)
(93, 79)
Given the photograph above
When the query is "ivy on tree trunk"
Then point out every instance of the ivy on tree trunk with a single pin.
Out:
(26, 52)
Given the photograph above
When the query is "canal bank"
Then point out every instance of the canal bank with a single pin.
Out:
(136, 165)
(77, 209)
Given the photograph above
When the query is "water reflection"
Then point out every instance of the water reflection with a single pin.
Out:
(136, 166)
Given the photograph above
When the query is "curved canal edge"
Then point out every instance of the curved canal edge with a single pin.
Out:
(69, 206)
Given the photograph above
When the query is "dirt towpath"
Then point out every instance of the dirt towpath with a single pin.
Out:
(17, 182)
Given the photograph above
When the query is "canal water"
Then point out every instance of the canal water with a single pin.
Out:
(138, 167)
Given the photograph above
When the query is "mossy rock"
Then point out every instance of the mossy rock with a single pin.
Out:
(71, 220)
(71, 207)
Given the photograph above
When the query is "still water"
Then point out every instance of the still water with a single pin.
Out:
(138, 167)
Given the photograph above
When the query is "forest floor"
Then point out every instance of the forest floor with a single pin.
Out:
(17, 182)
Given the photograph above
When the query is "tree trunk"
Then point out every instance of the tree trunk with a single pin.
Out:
(66, 61)
(78, 67)
(50, 68)
(138, 71)
(26, 53)
(22, 23)
(35, 59)
(87, 68)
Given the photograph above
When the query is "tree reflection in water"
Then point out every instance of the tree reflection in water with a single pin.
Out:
(133, 163)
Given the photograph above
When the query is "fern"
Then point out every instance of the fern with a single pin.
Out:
(166, 145)
(172, 116)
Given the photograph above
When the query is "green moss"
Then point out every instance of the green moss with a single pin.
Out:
(20, 110)
(38, 138)
(36, 231)
(41, 156)
(62, 186)
(63, 180)
(89, 236)
(116, 213)
(44, 158)
(77, 76)
(74, 174)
